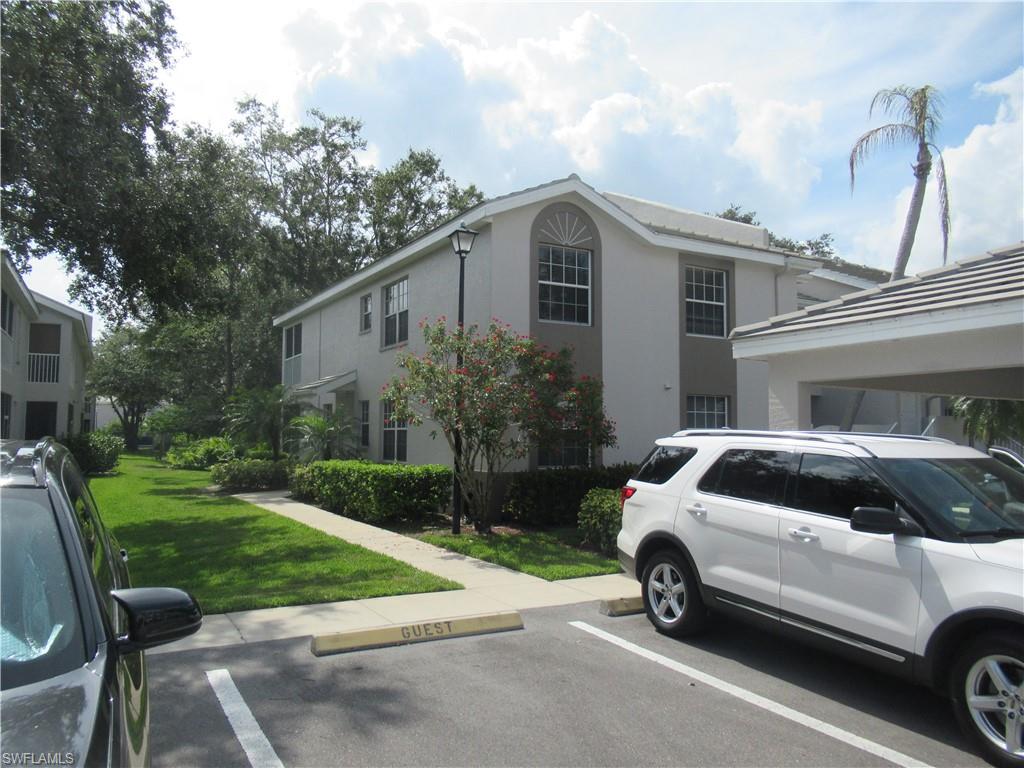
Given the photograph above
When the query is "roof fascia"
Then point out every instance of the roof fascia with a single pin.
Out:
(28, 301)
(981, 317)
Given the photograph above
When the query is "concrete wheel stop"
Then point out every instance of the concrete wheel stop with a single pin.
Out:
(419, 632)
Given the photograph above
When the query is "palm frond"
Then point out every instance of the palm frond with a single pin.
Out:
(898, 98)
(883, 136)
(944, 218)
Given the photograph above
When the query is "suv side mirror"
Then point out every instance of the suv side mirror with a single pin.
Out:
(882, 520)
(156, 615)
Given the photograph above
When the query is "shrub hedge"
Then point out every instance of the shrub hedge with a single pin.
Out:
(95, 451)
(552, 497)
(372, 492)
(601, 519)
(200, 454)
(251, 475)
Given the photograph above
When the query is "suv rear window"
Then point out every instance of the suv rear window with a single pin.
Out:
(748, 474)
(662, 463)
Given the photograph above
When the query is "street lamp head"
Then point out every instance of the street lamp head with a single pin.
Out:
(462, 239)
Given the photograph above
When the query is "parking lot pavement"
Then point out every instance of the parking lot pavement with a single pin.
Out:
(554, 693)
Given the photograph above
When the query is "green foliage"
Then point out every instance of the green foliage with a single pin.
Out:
(322, 436)
(124, 370)
(509, 394)
(201, 454)
(990, 420)
(820, 247)
(259, 451)
(258, 415)
(81, 106)
(251, 474)
(95, 452)
(547, 497)
(600, 519)
(372, 492)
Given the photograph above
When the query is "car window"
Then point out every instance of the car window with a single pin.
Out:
(40, 624)
(836, 485)
(662, 463)
(95, 540)
(753, 475)
(970, 494)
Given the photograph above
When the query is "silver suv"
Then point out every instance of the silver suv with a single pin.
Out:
(905, 553)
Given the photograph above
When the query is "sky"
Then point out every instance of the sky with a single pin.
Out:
(695, 105)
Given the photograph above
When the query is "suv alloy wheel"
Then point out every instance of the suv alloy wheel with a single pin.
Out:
(672, 597)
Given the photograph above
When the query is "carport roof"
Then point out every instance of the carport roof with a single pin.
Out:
(994, 277)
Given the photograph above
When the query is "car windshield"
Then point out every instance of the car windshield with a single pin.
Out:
(975, 496)
(40, 626)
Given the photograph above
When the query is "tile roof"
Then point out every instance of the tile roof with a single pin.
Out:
(995, 276)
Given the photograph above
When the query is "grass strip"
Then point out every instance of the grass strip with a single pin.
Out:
(232, 555)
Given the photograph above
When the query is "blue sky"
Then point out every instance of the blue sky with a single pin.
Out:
(693, 105)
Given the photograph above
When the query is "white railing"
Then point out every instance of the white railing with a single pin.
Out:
(292, 370)
(43, 368)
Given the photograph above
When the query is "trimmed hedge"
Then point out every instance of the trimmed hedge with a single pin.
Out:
(601, 519)
(201, 454)
(251, 475)
(372, 492)
(552, 497)
(95, 451)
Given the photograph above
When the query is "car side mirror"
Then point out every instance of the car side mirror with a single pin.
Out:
(156, 615)
(882, 520)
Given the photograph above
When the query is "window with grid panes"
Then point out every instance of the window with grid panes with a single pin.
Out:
(707, 412)
(564, 280)
(396, 312)
(705, 302)
(395, 436)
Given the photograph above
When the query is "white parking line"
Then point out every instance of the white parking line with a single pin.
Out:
(250, 736)
(905, 761)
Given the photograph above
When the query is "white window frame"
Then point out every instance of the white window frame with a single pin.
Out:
(389, 424)
(394, 305)
(703, 286)
(588, 287)
(364, 423)
(698, 405)
(289, 340)
(366, 313)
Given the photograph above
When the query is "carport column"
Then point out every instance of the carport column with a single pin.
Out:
(789, 400)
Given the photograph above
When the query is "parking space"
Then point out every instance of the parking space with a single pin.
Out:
(554, 693)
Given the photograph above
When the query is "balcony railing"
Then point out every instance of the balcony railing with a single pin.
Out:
(43, 368)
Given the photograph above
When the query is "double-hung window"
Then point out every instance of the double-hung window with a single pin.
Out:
(365, 313)
(396, 312)
(395, 435)
(364, 423)
(707, 412)
(705, 302)
(564, 281)
(292, 354)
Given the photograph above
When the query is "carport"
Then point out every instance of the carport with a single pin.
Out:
(957, 330)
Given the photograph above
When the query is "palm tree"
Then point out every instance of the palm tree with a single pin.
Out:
(320, 435)
(990, 420)
(917, 111)
(255, 415)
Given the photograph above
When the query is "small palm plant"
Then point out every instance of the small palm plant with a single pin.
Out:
(321, 436)
(990, 420)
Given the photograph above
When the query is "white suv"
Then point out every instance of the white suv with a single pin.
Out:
(903, 552)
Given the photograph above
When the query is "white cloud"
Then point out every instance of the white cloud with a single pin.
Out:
(773, 138)
(986, 192)
(586, 139)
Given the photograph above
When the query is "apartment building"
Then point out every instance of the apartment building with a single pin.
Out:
(645, 294)
(45, 348)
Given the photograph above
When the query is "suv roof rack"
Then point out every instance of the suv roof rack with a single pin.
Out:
(822, 436)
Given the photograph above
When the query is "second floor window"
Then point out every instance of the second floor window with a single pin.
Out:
(396, 312)
(293, 341)
(7, 313)
(705, 302)
(564, 280)
(365, 313)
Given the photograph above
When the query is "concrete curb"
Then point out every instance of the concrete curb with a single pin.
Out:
(623, 606)
(405, 634)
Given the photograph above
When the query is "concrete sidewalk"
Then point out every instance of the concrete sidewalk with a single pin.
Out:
(488, 587)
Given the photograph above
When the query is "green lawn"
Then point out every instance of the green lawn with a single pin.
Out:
(232, 555)
(551, 555)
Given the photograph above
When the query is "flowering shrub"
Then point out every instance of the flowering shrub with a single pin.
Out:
(508, 394)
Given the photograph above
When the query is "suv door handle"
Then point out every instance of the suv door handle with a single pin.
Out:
(697, 510)
(804, 534)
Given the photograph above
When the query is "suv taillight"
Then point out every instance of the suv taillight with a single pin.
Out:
(627, 493)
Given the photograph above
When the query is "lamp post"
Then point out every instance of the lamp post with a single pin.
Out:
(462, 243)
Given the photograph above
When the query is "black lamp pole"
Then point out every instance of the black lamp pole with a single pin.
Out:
(462, 242)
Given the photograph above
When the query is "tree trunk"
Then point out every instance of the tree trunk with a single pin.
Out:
(229, 354)
(921, 171)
